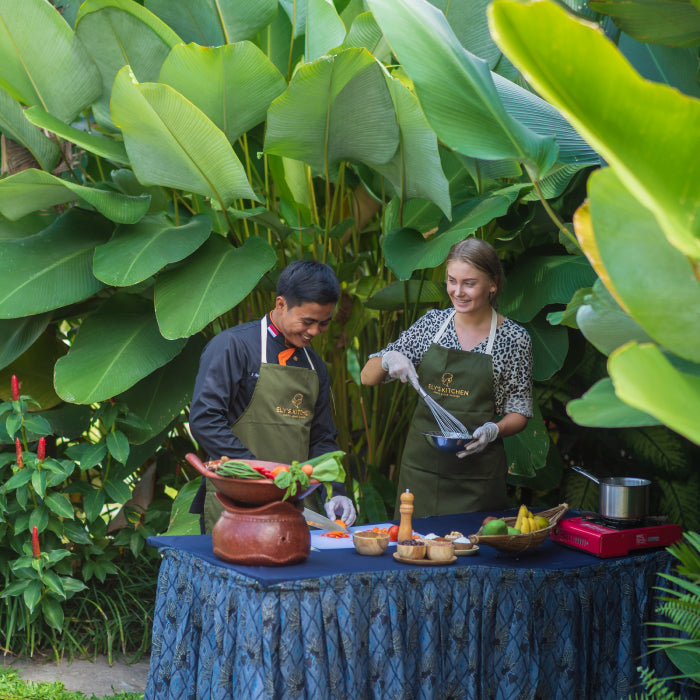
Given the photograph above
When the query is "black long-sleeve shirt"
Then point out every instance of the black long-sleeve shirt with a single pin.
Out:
(228, 372)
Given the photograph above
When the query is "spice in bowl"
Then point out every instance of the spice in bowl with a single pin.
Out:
(440, 549)
(411, 549)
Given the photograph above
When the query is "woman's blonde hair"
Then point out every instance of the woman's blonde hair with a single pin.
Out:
(482, 256)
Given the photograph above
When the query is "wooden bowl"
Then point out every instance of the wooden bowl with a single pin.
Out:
(253, 492)
(369, 543)
(439, 549)
(411, 551)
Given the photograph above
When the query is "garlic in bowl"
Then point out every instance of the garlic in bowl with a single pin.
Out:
(370, 543)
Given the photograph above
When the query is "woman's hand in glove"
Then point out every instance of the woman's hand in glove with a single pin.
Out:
(483, 435)
(341, 506)
(398, 366)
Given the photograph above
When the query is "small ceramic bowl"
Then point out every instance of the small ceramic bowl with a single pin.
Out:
(415, 550)
(370, 543)
(440, 549)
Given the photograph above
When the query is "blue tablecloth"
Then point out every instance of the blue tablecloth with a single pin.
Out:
(549, 623)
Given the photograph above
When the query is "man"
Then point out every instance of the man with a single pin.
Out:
(263, 393)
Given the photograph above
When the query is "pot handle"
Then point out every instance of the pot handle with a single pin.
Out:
(197, 463)
(588, 475)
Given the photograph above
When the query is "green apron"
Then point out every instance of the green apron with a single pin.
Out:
(442, 483)
(276, 424)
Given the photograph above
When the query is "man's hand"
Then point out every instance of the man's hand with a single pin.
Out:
(483, 435)
(398, 366)
(341, 507)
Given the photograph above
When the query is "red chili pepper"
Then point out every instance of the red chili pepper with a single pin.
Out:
(36, 550)
(15, 388)
(41, 450)
(264, 471)
(18, 453)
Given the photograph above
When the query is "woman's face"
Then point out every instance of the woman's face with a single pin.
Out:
(468, 287)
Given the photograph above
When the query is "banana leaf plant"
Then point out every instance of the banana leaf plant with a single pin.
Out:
(182, 153)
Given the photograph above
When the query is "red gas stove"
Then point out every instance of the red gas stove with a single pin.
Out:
(615, 539)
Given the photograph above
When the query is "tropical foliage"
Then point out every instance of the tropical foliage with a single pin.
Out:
(164, 160)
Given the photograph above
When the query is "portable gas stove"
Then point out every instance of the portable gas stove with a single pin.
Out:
(604, 538)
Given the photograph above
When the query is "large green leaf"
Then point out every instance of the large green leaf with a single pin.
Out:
(324, 29)
(396, 295)
(215, 22)
(17, 334)
(550, 344)
(600, 407)
(53, 268)
(233, 84)
(14, 125)
(600, 94)
(215, 279)
(172, 143)
(647, 275)
(539, 281)
(407, 250)
(116, 346)
(366, 34)
(336, 108)
(99, 145)
(136, 252)
(455, 88)
(182, 522)
(162, 395)
(42, 62)
(672, 22)
(527, 451)
(415, 170)
(34, 368)
(605, 324)
(645, 379)
(32, 189)
(119, 33)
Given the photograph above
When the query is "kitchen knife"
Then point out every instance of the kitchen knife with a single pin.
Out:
(321, 521)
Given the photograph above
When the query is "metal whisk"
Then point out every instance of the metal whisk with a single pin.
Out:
(449, 426)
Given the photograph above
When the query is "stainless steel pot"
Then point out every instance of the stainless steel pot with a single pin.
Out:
(621, 497)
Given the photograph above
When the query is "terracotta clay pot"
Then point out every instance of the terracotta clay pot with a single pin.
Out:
(274, 534)
(254, 492)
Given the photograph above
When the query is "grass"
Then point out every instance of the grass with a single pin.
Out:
(12, 687)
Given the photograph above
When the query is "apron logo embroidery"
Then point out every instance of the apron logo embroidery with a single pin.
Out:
(295, 411)
(445, 388)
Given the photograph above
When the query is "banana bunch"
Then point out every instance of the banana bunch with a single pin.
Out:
(527, 522)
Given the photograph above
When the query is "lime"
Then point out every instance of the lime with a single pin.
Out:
(495, 527)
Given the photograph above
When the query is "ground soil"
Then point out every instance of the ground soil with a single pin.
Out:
(96, 677)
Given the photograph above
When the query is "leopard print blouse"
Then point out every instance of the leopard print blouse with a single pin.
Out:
(512, 357)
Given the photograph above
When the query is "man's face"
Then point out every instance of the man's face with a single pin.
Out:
(300, 324)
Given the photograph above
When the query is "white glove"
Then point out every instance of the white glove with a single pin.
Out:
(483, 435)
(341, 506)
(398, 366)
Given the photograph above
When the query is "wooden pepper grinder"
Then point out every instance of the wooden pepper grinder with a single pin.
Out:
(406, 510)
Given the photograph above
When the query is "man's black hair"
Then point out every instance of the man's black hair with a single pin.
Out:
(308, 281)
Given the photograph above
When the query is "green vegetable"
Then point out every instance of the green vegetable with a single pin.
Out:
(327, 467)
(237, 470)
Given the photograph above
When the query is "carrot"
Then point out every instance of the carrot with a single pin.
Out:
(335, 534)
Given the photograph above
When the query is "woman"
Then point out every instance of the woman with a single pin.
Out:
(478, 365)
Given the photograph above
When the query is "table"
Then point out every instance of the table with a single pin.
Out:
(549, 623)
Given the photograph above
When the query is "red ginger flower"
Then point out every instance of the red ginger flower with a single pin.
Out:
(15, 388)
(36, 550)
(41, 450)
(18, 453)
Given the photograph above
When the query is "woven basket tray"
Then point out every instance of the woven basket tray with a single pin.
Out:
(521, 543)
